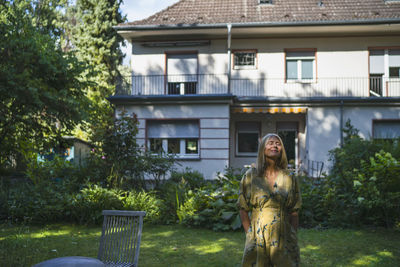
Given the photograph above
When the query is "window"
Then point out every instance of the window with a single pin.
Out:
(180, 138)
(389, 129)
(300, 65)
(247, 136)
(384, 64)
(244, 59)
(182, 74)
(265, 1)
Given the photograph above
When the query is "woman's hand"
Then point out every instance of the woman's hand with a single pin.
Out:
(294, 220)
(244, 217)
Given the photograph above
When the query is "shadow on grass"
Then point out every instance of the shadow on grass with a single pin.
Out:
(174, 245)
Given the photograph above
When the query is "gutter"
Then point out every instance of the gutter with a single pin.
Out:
(170, 99)
(312, 101)
(254, 24)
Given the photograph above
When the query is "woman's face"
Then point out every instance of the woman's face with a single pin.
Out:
(273, 148)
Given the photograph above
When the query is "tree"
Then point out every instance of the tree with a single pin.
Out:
(41, 95)
(98, 45)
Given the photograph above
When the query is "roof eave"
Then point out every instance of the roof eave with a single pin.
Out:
(255, 24)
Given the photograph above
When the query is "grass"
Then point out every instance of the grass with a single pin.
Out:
(175, 245)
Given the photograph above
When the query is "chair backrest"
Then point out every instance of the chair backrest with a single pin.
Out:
(120, 237)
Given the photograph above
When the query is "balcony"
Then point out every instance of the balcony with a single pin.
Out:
(215, 84)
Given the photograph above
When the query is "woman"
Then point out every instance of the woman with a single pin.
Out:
(273, 198)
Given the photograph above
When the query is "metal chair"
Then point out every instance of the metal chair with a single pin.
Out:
(120, 238)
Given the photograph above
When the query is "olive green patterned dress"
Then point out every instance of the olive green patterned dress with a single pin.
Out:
(271, 240)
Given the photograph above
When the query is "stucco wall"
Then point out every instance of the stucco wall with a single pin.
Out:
(214, 132)
(323, 126)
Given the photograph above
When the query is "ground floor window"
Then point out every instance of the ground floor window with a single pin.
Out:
(180, 138)
(386, 129)
(247, 138)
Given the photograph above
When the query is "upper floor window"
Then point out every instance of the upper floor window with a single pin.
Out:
(244, 59)
(182, 73)
(384, 64)
(180, 138)
(265, 1)
(300, 65)
(247, 136)
(386, 129)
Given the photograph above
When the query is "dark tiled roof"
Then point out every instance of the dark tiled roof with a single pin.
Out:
(194, 12)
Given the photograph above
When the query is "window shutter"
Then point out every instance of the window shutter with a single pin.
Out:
(182, 68)
(386, 130)
(376, 62)
(394, 58)
(173, 129)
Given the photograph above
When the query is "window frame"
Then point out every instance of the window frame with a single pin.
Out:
(237, 131)
(299, 60)
(245, 67)
(182, 140)
(374, 121)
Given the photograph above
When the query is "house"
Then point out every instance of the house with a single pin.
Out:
(210, 77)
(70, 148)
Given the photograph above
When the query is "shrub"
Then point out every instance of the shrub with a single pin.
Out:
(193, 179)
(145, 201)
(41, 203)
(88, 205)
(214, 206)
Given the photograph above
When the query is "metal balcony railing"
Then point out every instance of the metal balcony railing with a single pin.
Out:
(202, 84)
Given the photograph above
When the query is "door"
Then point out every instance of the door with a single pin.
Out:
(288, 132)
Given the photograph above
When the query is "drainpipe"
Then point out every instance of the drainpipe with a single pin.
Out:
(341, 123)
(229, 26)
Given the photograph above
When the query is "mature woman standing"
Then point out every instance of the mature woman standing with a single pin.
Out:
(273, 198)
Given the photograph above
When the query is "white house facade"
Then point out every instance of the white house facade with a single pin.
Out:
(209, 78)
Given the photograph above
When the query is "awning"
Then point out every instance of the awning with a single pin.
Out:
(271, 110)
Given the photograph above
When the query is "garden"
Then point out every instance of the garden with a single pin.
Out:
(348, 218)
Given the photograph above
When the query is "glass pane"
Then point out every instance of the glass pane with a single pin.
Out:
(394, 72)
(291, 69)
(247, 142)
(244, 59)
(191, 146)
(306, 69)
(190, 88)
(386, 130)
(174, 146)
(156, 145)
(174, 88)
(289, 142)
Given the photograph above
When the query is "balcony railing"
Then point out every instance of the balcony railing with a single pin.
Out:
(202, 84)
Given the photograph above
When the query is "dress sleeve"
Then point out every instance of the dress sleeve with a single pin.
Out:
(295, 200)
(243, 201)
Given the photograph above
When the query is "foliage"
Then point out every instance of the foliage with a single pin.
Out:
(97, 44)
(42, 97)
(40, 203)
(192, 178)
(214, 206)
(349, 182)
(91, 201)
(145, 201)
(377, 187)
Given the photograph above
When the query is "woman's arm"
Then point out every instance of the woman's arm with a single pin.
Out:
(244, 217)
(294, 220)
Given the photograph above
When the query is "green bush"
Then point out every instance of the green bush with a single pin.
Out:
(87, 205)
(193, 179)
(145, 201)
(377, 187)
(213, 206)
(40, 203)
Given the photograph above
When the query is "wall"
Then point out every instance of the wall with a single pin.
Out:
(323, 126)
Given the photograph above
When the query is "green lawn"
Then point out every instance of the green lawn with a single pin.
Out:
(179, 246)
